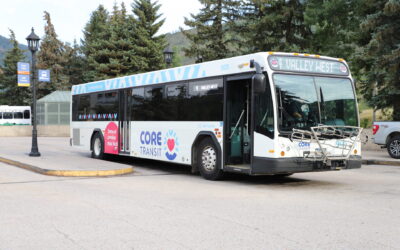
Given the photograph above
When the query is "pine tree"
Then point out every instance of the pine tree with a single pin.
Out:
(146, 24)
(210, 35)
(113, 44)
(95, 34)
(12, 94)
(75, 65)
(334, 25)
(111, 55)
(52, 55)
(274, 26)
(378, 57)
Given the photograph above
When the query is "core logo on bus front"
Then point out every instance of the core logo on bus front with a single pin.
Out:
(111, 139)
(171, 145)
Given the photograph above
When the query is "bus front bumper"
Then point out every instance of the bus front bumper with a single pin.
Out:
(261, 165)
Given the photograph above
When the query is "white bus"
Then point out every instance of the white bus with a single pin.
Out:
(15, 115)
(260, 114)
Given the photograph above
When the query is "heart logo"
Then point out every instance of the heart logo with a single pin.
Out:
(171, 144)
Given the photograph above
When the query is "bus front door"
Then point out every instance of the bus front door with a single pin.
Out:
(237, 120)
(124, 115)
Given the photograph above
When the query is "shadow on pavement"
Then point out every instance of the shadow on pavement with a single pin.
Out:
(173, 169)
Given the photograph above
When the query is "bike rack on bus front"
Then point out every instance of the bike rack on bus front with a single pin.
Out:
(343, 138)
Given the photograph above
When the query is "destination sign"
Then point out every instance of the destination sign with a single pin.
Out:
(309, 65)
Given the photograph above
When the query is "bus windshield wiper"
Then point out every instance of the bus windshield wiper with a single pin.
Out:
(322, 104)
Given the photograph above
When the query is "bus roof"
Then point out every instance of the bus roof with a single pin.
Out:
(5, 108)
(228, 66)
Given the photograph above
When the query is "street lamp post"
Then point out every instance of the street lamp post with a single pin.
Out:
(168, 53)
(33, 45)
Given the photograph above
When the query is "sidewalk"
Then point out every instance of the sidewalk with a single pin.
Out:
(378, 157)
(57, 158)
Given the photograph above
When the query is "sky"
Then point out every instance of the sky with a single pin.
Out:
(70, 16)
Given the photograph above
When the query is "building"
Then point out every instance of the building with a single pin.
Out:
(54, 108)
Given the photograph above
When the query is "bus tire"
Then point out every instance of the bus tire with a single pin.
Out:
(393, 147)
(209, 161)
(97, 146)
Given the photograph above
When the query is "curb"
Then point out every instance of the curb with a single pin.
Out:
(67, 173)
(378, 162)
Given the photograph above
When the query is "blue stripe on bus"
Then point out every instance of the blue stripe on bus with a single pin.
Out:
(163, 76)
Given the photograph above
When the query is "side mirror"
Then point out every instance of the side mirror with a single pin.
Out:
(259, 82)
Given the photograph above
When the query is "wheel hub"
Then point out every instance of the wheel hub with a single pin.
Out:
(209, 158)
(395, 147)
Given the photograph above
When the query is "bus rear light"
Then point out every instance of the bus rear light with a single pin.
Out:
(271, 151)
(295, 54)
(355, 151)
(317, 56)
(282, 153)
(270, 53)
(375, 129)
(306, 54)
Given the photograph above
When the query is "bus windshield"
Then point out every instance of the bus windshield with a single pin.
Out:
(306, 101)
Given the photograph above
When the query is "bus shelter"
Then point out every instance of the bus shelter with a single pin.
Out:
(54, 108)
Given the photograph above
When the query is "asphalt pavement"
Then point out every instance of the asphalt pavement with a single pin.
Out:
(165, 207)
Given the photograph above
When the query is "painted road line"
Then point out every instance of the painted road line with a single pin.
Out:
(68, 173)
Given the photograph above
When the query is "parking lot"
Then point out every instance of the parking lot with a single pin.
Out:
(163, 206)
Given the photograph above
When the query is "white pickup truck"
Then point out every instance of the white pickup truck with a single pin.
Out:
(387, 134)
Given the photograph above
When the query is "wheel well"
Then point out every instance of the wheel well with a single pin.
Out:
(391, 135)
(201, 136)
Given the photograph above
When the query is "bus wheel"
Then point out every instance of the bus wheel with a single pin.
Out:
(98, 147)
(393, 147)
(209, 162)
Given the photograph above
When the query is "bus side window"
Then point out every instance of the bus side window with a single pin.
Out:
(84, 106)
(1, 115)
(27, 114)
(7, 115)
(154, 99)
(204, 94)
(18, 115)
(138, 104)
(175, 98)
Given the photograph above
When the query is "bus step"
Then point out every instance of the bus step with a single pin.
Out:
(240, 168)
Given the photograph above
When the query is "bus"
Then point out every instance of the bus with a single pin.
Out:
(267, 113)
(15, 115)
